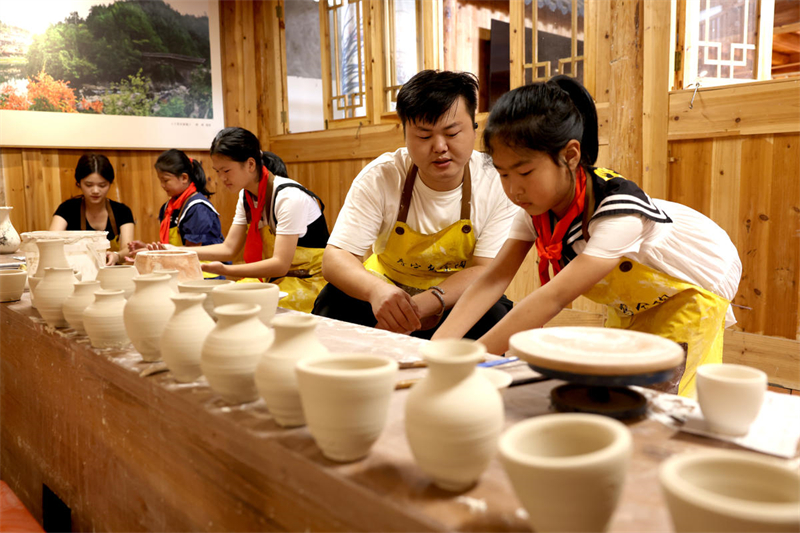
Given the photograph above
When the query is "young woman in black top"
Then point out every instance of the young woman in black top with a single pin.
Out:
(93, 210)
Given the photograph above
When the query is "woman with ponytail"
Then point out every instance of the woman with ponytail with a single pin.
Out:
(660, 267)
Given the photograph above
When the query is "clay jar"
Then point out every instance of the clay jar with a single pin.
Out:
(118, 277)
(454, 416)
(730, 396)
(232, 351)
(346, 399)
(77, 302)
(147, 312)
(173, 277)
(725, 490)
(12, 284)
(9, 238)
(263, 294)
(567, 469)
(33, 282)
(276, 379)
(51, 293)
(183, 337)
(102, 319)
(51, 254)
(184, 261)
(204, 286)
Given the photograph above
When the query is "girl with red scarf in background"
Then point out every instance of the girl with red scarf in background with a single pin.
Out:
(660, 267)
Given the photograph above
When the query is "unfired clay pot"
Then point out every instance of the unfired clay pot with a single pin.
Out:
(731, 491)
(183, 337)
(184, 261)
(12, 285)
(102, 319)
(51, 254)
(118, 277)
(295, 339)
(33, 282)
(232, 351)
(264, 294)
(173, 277)
(147, 312)
(51, 293)
(730, 396)
(204, 286)
(76, 303)
(567, 469)
(454, 416)
(345, 399)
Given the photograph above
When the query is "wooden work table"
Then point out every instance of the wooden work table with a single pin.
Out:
(132, 453)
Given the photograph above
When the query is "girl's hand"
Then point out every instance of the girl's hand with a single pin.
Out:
(112, 258)
(136, 245)
(215, 267)
(156, 246)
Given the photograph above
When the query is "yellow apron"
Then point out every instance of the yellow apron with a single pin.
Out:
(175, 239)
(416, 262)
(642, 299)
(114, 243)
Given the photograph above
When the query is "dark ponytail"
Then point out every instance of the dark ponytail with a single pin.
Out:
(544, 117)
(176, 162)
(274, 164)
(238, 144)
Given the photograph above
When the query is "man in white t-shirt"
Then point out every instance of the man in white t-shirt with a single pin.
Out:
(432, 214)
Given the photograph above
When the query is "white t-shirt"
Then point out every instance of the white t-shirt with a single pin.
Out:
(373, 202)
(294, 210)
(693, 248)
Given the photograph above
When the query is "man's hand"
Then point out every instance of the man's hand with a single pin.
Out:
(395, 310)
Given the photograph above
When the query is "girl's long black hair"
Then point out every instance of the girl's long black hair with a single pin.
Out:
(94, 164)
(544, 117)
(176, 162)
(239, 145)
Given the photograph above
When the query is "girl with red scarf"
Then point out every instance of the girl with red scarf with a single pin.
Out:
(660, 267)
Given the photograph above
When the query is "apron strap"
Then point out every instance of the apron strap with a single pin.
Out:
(408, 189)
(110, 212)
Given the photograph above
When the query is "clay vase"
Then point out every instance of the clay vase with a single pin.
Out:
(102, 319)
(33, 282)
(51, 254)
(454, 416)
(567, 469)
(118, 277)
(12, 285)
(77, 302)
(345, 400)
(56, 286)
(9, 238)
(173, 277)
(726, 490)
(184, 335)
(232, 350)
(276, 379)
(204, 286)
(730, 396)
(264, 294)
(147, 312)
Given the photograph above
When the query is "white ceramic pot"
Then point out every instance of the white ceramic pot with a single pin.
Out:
(454, 416)
(263, 294)
(276, 379)
(33, 282)
(12, 284)
(85, 251)
(204, 286)
(173, 277)
(56, 286)
(185, 262)
(232, 351)
(345, 399)
(9, 238)
(567, 469)
(51, 254)
(102, 319)
(147, 312)
(184, 335)
(730, 396)
(76, 303)
(731, 491)
(116, 277)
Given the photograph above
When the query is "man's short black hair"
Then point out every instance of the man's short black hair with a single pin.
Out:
(430, 94)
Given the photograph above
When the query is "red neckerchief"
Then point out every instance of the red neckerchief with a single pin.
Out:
(253, 246)
(549, 245)
(173, 204)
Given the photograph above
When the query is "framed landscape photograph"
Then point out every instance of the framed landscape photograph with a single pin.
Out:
(130, 74)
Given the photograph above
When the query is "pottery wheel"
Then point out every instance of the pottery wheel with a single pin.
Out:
(616, 402)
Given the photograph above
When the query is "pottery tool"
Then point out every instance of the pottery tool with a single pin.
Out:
(599, 364)
(498, 362)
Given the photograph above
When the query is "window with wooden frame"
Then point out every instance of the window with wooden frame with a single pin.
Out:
(723, 42)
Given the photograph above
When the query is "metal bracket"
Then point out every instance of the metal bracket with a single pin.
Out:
(696, 86)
